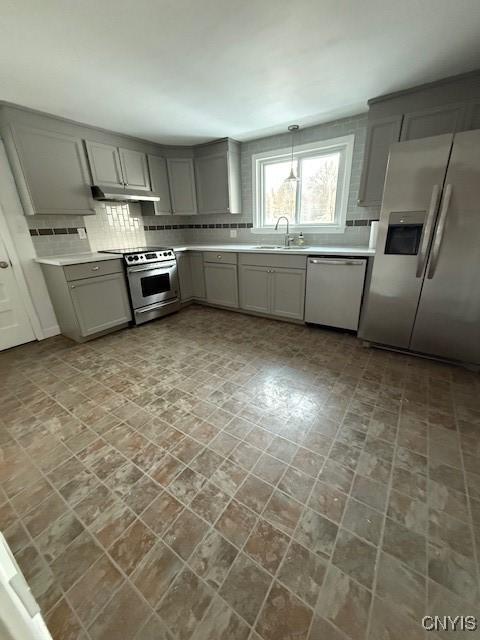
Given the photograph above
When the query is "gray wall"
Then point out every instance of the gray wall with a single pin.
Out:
(355, 234)
(117, 226)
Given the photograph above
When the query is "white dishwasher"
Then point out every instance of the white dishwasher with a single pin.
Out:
(334, 291)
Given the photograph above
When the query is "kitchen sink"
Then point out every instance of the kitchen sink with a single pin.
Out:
(277, 247)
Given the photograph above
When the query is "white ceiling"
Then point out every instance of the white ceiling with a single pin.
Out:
(185, 71)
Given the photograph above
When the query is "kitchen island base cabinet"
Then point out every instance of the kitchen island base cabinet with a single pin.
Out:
(88, 305)
(221, 284)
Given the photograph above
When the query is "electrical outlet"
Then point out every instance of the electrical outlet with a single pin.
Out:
(233, 233)
(82, 234)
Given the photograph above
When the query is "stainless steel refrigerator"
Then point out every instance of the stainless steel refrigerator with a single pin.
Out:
(424, 292)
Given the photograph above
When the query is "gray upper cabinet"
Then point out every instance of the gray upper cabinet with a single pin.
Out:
(181, 179)
(217, 177)
(112, 166)
(381, 133)
(52, 172)
(135, 169)
(105, 166)
(221, 284)
(159, 181)
(446, 106)
(432, 122)
(472, 115)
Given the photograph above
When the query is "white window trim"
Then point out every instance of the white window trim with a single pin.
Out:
(345, 143)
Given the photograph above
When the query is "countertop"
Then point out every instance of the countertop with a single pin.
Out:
(77, 258)
(81, 258)
(307, 250)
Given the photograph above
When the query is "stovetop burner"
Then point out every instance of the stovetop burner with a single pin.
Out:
(128, 250)
(144, 255)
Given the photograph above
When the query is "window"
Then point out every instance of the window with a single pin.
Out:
(317, 202)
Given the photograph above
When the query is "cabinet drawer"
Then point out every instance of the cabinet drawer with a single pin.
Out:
(274, 260)
(92, 269)
(219, 256)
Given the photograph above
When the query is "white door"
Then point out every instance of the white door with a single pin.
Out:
(15, 326)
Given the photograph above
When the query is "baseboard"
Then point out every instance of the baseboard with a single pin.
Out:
(49, 332)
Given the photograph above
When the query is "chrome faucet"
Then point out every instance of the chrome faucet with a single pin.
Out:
(287, 235)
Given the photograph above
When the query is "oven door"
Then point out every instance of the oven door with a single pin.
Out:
(153, 283)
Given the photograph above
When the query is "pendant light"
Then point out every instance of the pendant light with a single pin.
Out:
(293, 128)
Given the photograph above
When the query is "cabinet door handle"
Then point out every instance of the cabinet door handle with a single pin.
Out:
(95, 268)
(72, 286)
(219, 257)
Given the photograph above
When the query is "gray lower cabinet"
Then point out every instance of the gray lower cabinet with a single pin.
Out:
(198, 275)
(184, 270)
(221, 284)
(287, 293)
(51, 172)
(254, 288)
(89, 299)
(276, 291)
(100, 303)
(181, 179)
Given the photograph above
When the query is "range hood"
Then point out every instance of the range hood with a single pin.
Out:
(117, 194)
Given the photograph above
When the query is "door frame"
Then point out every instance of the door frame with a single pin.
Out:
(13, 257)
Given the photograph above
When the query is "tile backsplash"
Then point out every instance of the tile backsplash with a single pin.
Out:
(115, 226)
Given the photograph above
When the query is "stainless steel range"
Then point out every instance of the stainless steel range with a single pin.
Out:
(152, 281)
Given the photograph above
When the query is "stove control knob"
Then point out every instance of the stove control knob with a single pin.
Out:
(165, 253)
(129, 258)
(135, 257)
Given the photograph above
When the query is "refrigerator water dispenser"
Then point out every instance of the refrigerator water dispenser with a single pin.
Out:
(404, 233)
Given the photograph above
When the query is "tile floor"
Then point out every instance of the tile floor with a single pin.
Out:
(214, 476)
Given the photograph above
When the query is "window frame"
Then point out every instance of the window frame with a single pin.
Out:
(343, 144)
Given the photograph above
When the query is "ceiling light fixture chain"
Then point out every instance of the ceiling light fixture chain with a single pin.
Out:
(293, 128)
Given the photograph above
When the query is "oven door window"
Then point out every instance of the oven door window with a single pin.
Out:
(152, 285)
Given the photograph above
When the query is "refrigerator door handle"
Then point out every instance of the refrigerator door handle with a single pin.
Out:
(439, 232)
(427, 230)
